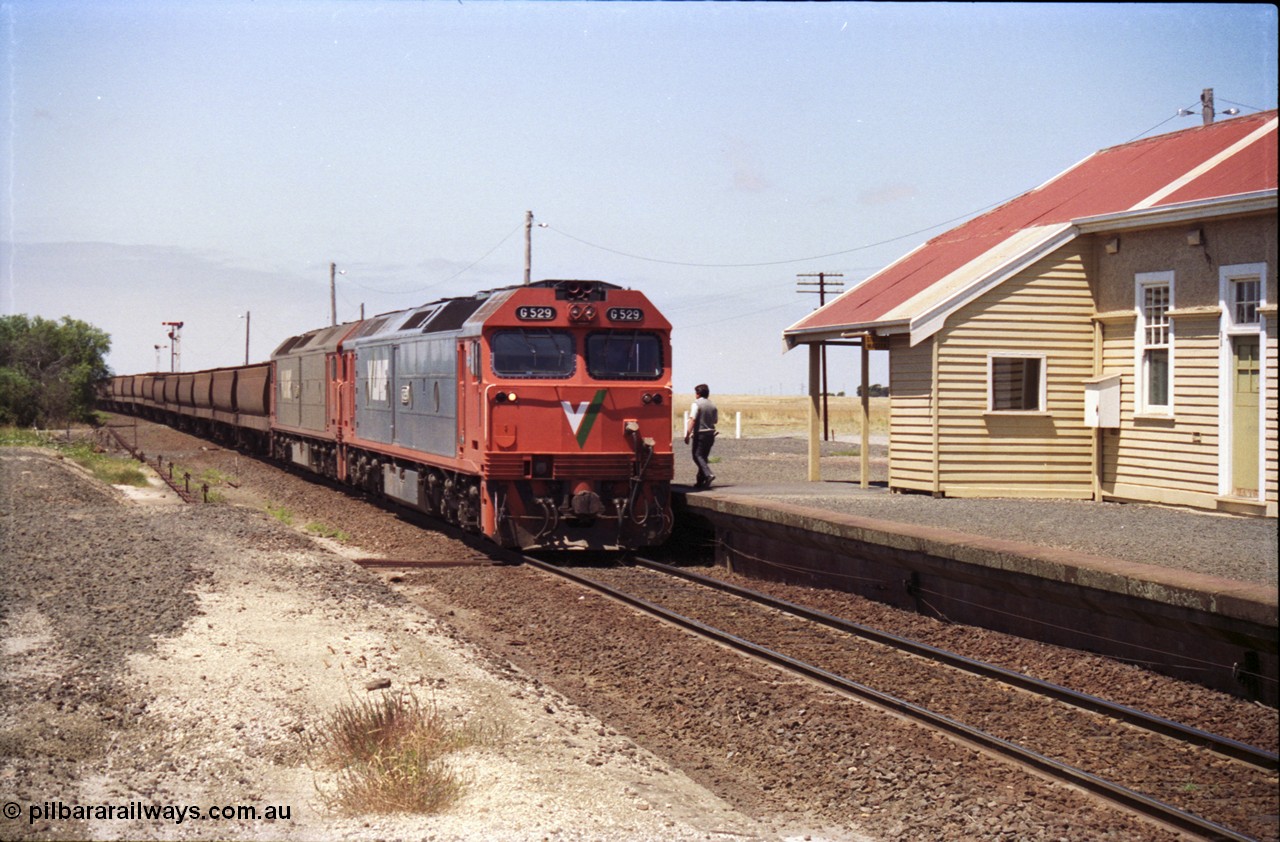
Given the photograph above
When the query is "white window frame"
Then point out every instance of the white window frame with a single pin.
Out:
(1227, 276)
(1142, 401)
(1042, 390)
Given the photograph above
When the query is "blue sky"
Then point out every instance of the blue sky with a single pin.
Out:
(193, 161)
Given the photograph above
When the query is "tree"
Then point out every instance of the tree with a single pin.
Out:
(50, 371)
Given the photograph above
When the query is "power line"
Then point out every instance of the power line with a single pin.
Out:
(779, 262)
(433, 284)
(1186, 112)
(1179, 113)
(736, 316)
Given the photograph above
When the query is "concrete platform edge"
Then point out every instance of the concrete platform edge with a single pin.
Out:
(1236, 600)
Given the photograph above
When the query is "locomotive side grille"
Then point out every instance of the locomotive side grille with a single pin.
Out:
(505, 466)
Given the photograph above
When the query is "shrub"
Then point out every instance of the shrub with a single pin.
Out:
(390, 753)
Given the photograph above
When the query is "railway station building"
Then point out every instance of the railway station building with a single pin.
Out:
(1109, 335)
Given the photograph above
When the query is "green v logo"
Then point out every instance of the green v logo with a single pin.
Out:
(583, 416)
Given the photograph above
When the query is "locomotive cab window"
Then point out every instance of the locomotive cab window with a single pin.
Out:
(532, 353)
(624, 355)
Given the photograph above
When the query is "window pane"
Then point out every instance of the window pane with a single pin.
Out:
(1158, 377)
(1015, 384)
(524, 353)
(377, 388)
(1245, 297)
(624, 356)
(1155, 314)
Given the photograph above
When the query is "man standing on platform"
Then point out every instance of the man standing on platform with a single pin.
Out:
(701, 430)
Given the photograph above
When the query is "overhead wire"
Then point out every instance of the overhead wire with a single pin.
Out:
(776, 262)
(1186, 112)
(917, 232)
(1175, 114)
(433, 284)
(1242, 105)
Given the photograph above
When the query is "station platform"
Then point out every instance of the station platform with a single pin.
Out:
(1122, 579)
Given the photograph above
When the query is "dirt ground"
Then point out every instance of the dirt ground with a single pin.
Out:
(167, 655)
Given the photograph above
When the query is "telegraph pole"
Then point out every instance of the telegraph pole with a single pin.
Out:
(822, 283)
(1206, 105)
(528, 245)
(333, 294)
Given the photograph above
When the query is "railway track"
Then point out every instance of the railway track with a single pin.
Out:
(181, 485)
(1147, 765)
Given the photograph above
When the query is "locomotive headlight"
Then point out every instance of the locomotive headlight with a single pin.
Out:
(648, 398)
(504, 397)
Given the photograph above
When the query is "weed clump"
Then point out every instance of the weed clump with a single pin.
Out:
(390, 752)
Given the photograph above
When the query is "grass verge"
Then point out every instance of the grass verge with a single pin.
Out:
(281, 513)
(113, 470)
(323, 531)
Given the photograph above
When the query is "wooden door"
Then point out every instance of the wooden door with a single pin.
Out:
(1246, 371)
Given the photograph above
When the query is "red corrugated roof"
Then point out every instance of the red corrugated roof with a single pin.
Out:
(1253, 168)
(1111, 181)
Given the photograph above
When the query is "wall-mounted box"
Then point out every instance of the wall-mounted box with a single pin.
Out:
(1102, 401)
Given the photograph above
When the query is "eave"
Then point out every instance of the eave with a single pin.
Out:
(1244, 203)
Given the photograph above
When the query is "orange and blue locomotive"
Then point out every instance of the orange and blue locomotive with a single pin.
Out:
(539, 415)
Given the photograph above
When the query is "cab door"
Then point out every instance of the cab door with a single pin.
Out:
(470, 401)
(333, 393)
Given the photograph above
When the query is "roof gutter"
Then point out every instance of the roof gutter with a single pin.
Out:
(792, 338)
(1241, 203)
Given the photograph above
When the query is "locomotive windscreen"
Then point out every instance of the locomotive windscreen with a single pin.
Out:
(624, 355)
(530, 353)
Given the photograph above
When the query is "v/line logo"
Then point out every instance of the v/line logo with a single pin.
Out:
(583, 416)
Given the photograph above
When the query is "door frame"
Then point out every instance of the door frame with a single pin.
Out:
(1228, 331)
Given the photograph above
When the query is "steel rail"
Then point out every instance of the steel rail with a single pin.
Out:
(1135, 801)
(183, 493)
(1251, 755)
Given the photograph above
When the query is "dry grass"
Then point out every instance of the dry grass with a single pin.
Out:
(776, 415)
(113, 470)
(390, 751)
